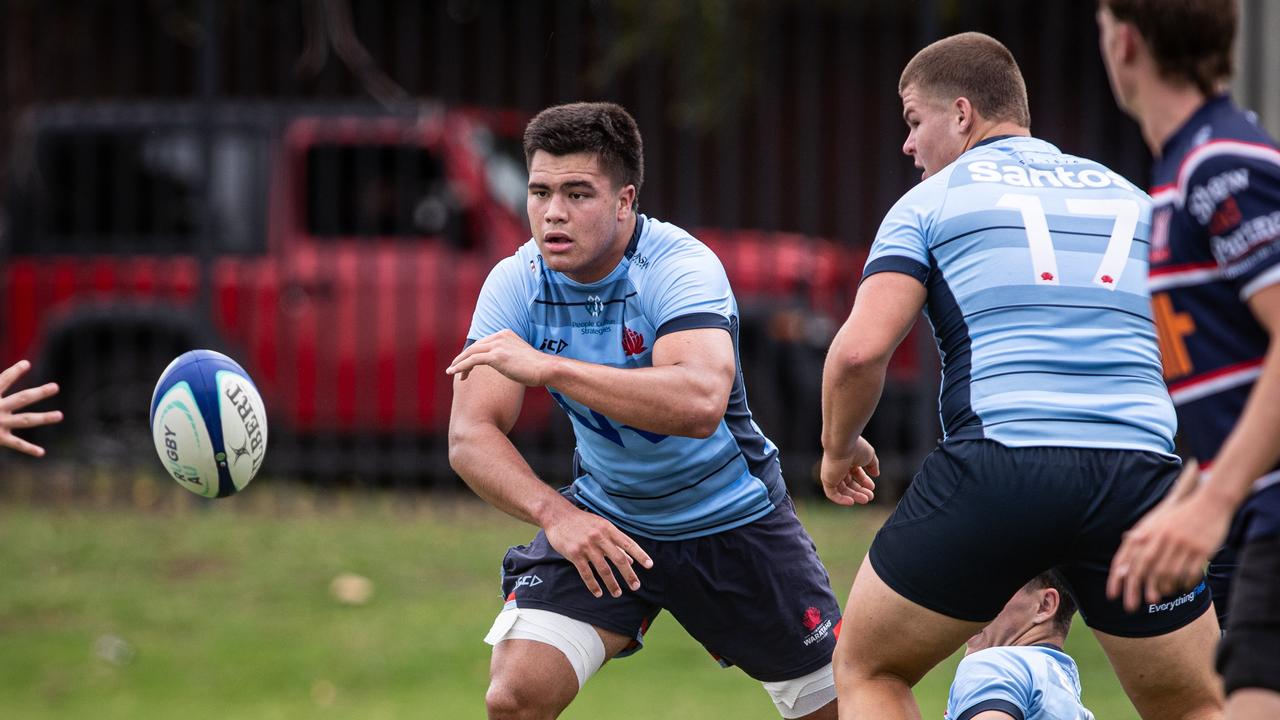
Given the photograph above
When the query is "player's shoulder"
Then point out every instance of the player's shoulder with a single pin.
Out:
(1221, 139)
(521, 270)
(663, 245)
(1011, 662)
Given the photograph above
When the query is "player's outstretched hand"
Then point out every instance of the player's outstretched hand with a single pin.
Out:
(507, 353)
(848, 480)
(11, 420)
(593, 544)
(1167, 550)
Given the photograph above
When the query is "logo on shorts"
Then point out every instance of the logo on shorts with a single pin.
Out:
(1179, 601)
(817, 627)
(811, 618)
(529, 580)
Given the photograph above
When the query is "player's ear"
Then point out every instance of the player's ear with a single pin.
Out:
(626, 201)
(1048, 606)
(1128, 42)
(963, 114)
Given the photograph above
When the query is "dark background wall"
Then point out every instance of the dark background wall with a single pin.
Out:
(769, 115)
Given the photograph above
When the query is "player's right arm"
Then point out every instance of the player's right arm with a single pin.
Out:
(484, 409)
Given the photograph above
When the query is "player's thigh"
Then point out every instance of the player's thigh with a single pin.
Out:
(757, 597)
(552, 634)
(886, 634)
(978, 521)
(546, 673)
(1171, 675)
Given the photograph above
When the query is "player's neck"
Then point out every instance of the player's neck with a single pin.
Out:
(996, 129)
(1163, 109)
(1040, 634)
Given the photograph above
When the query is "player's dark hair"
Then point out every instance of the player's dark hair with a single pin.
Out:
(1066, 604)
(1190, 40)
(597, 127)
(974, 66)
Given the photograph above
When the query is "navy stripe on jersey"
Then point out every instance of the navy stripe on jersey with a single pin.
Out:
(696, 321)
(628, 496)
(1003, 706)
(761, 455)
(955, 348)
(898, 264)
(585, 303)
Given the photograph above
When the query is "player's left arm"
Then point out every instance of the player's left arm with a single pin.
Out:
(884, 310)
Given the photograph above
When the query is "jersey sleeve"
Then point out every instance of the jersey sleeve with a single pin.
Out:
(503, 302)
(902, 242)
(1234, 196)
(687, 289)
(991, 680)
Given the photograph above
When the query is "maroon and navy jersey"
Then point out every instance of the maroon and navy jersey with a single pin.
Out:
(1215, 241)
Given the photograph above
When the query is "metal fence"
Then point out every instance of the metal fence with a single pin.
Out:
(317, 187)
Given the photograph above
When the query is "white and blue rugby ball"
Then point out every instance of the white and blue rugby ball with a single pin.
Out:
(208, 423)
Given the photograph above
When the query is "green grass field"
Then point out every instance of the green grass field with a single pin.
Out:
(222, 609)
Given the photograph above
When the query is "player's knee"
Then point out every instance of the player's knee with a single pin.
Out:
(1178, 701)
(509, 701)
(853, 665)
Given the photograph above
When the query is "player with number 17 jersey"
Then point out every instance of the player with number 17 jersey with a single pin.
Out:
(1058, 426)
(1036, 266)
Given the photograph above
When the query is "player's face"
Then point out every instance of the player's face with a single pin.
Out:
(577, 215)
(934, 131)
(1012, 622)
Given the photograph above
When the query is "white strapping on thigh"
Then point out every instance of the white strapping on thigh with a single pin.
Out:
(579, 641)
(803, 695)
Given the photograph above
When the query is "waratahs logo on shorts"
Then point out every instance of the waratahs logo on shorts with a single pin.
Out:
(632, 342)
(817, 627)
(812, 617)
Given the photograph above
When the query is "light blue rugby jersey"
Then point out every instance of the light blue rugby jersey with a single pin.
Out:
(1036, 268)
(1031, 682)
(659, 486)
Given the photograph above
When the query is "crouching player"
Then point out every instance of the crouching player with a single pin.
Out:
(678, 502)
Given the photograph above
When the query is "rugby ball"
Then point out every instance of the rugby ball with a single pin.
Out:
(208, 423)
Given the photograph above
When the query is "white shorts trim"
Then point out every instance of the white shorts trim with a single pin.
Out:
(803, 695)
(579, 641)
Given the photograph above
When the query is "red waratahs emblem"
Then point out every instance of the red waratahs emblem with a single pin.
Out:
(811, 618)
(632, 342)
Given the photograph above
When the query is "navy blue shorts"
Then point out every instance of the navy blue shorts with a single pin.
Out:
(981, 519)
(1249, 654)
(756, 596)
(1257, 519)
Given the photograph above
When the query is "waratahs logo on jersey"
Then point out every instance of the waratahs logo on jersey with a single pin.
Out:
(632, 342)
